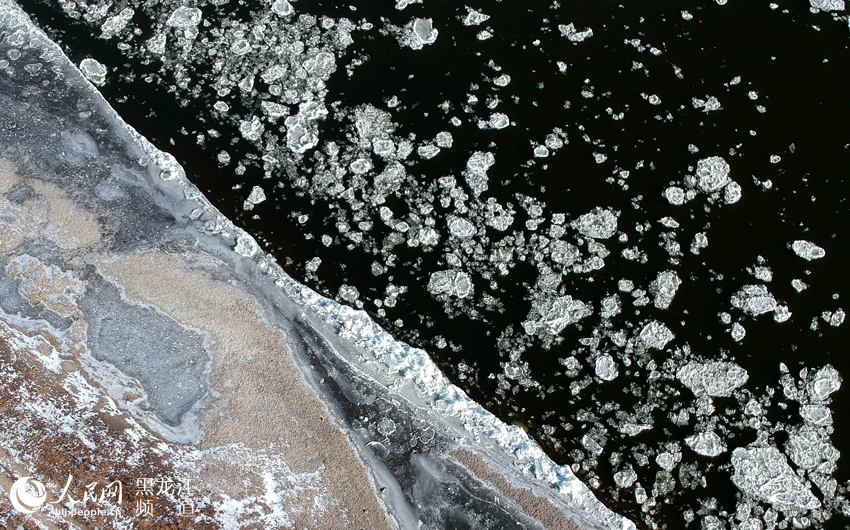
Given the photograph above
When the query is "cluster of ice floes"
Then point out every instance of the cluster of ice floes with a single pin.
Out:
(366, 173)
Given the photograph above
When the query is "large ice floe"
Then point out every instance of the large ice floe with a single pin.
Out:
(145, 334)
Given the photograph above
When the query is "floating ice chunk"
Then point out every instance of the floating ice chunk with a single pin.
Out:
(764, 473)
(605, 367)
(420, 33)
(738, 332)
(808, 447)
(499, 120)
(553, 314)
(807, 250)
(706, 444)
(116, 23)
(93, 70)
(664, 288)
(476, 171)
(256, 196)
(827, 5)
(251, 129)
(184, 17)
(754, 300)
(460, 227)
(474, 18)
(282, 8)
(732, 193)
(572, 34)
(826, 381)
(655, 335)
(819, 415)
(450, 282)
(712, 173)
(597, 224)
(675, 195)
(716, 379)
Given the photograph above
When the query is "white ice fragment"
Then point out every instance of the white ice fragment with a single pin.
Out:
(282, 8)
(251, 129)
(754, 300)
(675, 195)
(605, 368)
(572, 34)
(764, 473)
(825, 382)
(807, 250)
(256, 196)
(664, 288)
(827, 5)
(246, 246)
(420, 32)
(474, 18)
(655, 335)
(712, 173)
(184, 17)
(714, 379)
(706, 443)
(552, 314)
(599, 223)
(93, 70)
(476, 171)
(450, 282)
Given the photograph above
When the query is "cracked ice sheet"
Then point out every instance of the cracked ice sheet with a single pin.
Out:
(160, 242)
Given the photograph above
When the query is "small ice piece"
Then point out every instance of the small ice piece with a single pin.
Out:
(605, 367)
(706, 443)
(807, 250)
(474, 18)
(664, 288)
(655, 335)
(675, 195)
(715, 379)
(764, 473)
(754, 300)
(799, 285)
(256, 196)
(184, 17)
(246, 246)
(282, 8)
(251, 129)
(553, 314)
(476, 171)
(450, 282)
(738, 332)
(825, 382)
(420, 33)
(827, 5)
(732, 193)
(597, 224)
(569, 31)
(712, 173)
(499, 120)
(93, 70)
(460, 227)
(819, 415)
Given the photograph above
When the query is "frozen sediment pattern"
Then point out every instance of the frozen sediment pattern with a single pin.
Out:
(121, 220)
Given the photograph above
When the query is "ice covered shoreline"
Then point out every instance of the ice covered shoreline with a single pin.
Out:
(362, 346)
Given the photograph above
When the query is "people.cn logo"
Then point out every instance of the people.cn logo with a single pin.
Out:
(27, 495)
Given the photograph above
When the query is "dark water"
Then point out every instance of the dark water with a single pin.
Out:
(797, 61)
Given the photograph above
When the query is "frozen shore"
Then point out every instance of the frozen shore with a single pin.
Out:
(143, 333)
